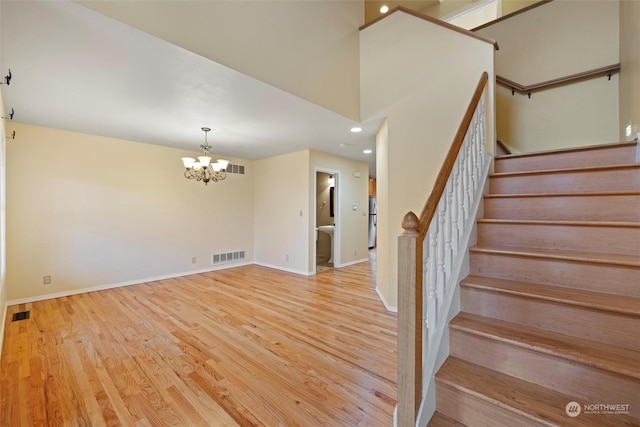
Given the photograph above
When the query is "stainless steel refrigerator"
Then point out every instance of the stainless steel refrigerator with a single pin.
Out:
(372, 222)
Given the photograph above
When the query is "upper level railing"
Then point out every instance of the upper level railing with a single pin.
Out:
(433, 21)
(529, 89)
(431, 249)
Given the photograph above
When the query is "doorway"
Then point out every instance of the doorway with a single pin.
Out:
(326, 220)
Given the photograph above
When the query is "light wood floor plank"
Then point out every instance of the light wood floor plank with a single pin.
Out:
(247, 346)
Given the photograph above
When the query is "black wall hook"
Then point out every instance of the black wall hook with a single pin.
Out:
(13, 135)
(10, 116)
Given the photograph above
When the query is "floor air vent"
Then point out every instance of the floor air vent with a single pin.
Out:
(21, 315)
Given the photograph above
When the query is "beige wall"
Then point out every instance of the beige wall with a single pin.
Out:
(510, 6)
(307, 48)
(281, 217)
(445, 9)
(3, 237)
(385, 239)
(323, 214)
(629, 65)
(352, 189)
(94, 212)
(555, 40)
(424, 105)
(284, 197)
(448, 8)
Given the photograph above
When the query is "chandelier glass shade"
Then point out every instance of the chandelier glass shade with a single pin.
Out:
(201, 169)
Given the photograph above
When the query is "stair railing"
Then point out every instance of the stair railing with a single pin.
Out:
(431, 249)
(573, 78)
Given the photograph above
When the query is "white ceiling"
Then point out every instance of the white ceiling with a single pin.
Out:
(78, 70)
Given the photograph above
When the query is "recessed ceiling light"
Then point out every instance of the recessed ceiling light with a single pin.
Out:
(367, 151)
(384, 9)
(356, 129)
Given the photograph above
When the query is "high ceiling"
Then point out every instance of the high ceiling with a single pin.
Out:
(76, 69)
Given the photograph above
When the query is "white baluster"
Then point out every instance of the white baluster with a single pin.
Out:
(482, 147)
(463, 186)
(433, 275)
(479, 145)
(441, 238)
(455, 226)
(448, 224)
(474, 149)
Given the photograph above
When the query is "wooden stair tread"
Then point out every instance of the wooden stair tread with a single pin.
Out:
(525, 398)
(566, 170)
(567, 150)
(440, 420)
(571, 296)
(592, 353)
(575, 256)
(627, 224)
(574, 194)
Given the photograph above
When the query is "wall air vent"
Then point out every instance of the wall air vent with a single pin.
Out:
(228, 257)
(237, 169)
(21, 315)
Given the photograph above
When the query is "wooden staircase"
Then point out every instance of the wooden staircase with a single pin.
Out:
(550, 313)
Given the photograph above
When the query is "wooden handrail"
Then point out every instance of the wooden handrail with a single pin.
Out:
(433, 21)
(517, 87)
(410, 275)
(431, 205)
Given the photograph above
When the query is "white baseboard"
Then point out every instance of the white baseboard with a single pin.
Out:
(358, 261)
(288, 270)
(169, 276)
(121, 284)
(389, 307)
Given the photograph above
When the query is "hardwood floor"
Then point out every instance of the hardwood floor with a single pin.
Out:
(245, 346)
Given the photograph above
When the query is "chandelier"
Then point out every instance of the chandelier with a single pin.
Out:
(202, 169)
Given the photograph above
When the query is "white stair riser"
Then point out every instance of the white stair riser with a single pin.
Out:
(614, 155)
(622, 179)
(582, 322)
(613, 279)
(572, 208)
(579, 381)
(604, 239)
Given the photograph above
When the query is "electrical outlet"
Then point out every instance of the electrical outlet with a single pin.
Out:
(46, 280)
(193, 260)
(287, 257)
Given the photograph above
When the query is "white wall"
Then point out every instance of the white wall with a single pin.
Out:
(554, 40)
(95, 212)
(307, 48)
(421, 77)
